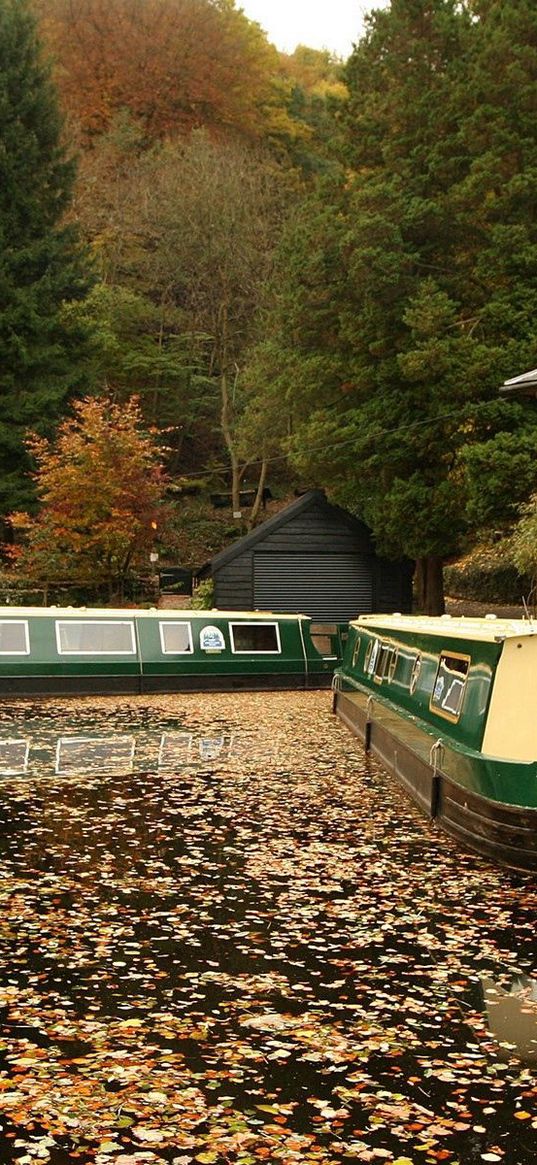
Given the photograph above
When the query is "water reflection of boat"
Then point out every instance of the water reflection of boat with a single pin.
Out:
(46, 754)
(14, 756)
(80, 754)
(512, 1015)
(64, 650)
(449, 705)
(186, 747)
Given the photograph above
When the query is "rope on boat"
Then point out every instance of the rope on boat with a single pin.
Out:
(437, 748)
(336, 686)
(435, 760)
(368, 723)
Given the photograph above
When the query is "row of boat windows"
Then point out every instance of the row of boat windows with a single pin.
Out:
(118, 637)
(383, 661)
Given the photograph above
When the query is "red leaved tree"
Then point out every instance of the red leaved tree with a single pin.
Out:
(100, 486)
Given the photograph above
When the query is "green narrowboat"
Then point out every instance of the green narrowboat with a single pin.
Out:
(449, 705)
(68, 650)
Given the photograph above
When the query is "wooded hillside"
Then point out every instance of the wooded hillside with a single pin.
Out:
(307, 272)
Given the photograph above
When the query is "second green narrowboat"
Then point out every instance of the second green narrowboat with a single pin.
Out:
(75, 651)
(449, 705)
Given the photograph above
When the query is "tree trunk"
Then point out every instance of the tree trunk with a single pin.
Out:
(225, 421)
(156, 388)
(259, 495)
(433, 585)
(227, 412)
(419, 584)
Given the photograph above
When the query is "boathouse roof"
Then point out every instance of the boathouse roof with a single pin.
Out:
(305, 502)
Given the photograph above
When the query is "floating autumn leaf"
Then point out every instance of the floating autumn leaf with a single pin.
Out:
(232, 961)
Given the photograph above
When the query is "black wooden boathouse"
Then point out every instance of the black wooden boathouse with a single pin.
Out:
(311, 557)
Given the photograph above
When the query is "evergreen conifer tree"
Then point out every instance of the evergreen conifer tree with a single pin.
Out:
(417, 297)
(42, 268)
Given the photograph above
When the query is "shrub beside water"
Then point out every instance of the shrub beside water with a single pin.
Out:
(487, 575)
(203, 595)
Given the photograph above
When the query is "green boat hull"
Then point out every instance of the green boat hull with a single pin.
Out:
(487, 805)
(123, 685)
(64, 651)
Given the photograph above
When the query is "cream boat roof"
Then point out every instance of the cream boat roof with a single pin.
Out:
(489, 629)
(180, 613)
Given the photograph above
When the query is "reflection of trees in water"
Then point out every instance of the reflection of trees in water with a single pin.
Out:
(512, 1015)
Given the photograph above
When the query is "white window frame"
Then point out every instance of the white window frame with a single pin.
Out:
(254, 623)
(186, 739)
(175, 623)
(94, 623)
(462, 679)
(24, 769)
(59, 771)
(415, 673)
(371, 656)
(19, 623)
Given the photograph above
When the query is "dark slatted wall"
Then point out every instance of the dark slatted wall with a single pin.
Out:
(325, 586)
(316, 563)
(233, 589)
(317, 531)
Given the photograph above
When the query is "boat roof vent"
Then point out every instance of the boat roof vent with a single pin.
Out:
(490, 616)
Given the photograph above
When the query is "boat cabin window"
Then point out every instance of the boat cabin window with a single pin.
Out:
(449, 685)
(371, 656)
(82, 637)
(84, 754)
(392, 667)
(176, 638)
(323, 637)
(255, 637)
(356, 651)
(14, 637)
(415, 675)
(384, 660)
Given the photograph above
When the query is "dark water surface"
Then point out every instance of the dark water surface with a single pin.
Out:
(225, 937)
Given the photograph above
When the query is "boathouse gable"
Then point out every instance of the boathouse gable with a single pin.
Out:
(314, 558)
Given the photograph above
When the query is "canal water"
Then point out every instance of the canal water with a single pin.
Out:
(227, 937)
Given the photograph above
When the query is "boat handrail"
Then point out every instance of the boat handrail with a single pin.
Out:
(436, 754)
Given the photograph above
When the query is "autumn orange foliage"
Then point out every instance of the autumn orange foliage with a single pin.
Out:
(172, 64)
(101, 490)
